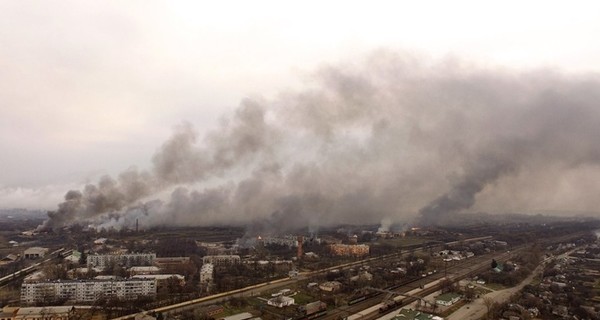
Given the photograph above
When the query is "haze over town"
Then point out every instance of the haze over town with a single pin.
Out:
(268, 160)
(305, 114)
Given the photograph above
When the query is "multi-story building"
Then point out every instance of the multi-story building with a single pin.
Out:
(221, 260)
(144, 270)
(287, 240)
(171, 261)
(163, 280)
(86, 290)
(218, 248)
(125, 260)
(206, 273)
(349, 249)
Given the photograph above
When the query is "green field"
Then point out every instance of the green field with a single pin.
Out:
(302, 298)
(403, 242)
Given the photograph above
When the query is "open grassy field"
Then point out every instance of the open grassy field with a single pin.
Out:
(404, 242)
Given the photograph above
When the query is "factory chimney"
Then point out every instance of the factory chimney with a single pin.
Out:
(299, 253)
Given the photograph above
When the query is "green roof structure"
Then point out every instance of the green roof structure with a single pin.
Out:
(410, 314)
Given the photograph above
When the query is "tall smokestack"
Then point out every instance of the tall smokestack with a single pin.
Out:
(137, 226)
(300, 241)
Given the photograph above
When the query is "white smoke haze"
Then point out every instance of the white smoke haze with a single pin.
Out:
(385, 224)
(20, 197)
(389, 139)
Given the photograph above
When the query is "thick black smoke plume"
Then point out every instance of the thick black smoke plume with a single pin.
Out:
(389, 138)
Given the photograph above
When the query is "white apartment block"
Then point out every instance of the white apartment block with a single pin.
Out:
(221, 260)
(288, 241)
(162, 280)
(125, 260)
(86, 290)
(206, 273)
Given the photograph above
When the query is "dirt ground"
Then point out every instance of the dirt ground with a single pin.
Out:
(477, 309)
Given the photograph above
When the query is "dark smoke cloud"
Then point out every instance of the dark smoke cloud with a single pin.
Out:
(180, 160)
(390, 138)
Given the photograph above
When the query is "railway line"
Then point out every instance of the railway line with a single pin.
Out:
(60, 253)
(254, 289)
(373, 312)
(371, 308)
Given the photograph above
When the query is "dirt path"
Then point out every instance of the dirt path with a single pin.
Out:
(477, 309)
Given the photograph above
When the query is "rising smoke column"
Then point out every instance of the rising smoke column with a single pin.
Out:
(462, 193)
(180, 160)
(393, 136)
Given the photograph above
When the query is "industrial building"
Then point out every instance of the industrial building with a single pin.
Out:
(43, 313)
(86, 290)
(218, 248)
(125, 260)
(349, 249)
(35, 252)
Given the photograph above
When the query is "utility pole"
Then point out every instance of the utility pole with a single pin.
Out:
(445, 269)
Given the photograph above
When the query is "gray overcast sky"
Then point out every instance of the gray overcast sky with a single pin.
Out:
(93, 87)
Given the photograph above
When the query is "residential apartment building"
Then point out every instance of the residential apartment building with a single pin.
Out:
(126, 260)
(221, 260)
(163, 280)
(218, 248)
(287, 240)
(86, 290)
(206, 273)
(171, 261)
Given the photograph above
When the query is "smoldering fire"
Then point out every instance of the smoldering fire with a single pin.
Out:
(391, 138)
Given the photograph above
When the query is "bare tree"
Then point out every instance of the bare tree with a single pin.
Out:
(489, 304)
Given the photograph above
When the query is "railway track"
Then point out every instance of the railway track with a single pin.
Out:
(370, 312)
(60, 253)
(251, 290)
(456, 271)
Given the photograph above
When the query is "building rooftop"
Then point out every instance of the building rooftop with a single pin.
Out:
(158, 276)
(409, 314)
(239, 316)
(36, 250)
(447, 296)
(144, 269)
(44, 310)
(93, 280)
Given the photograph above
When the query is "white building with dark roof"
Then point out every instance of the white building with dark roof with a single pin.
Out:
(127, 260)
(86, 290)
(162, 279)
(281, 301)
(206, 273)
(221, 260)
